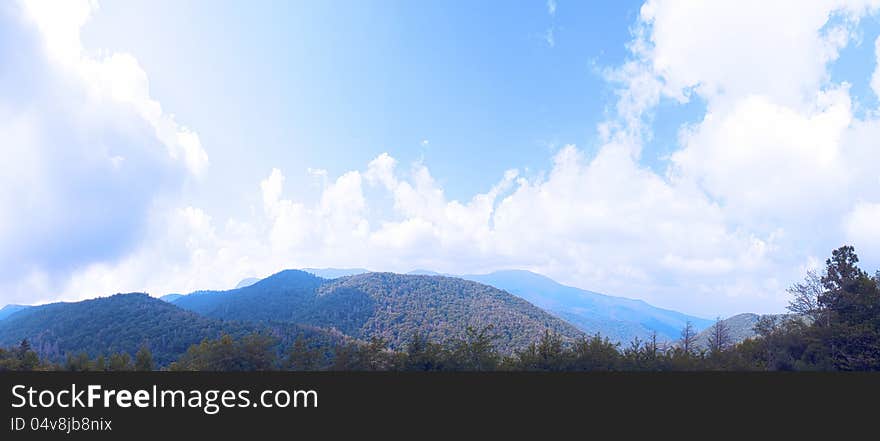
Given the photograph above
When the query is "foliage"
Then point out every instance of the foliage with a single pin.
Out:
(251, 353)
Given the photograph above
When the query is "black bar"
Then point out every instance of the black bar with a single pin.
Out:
(447, 403)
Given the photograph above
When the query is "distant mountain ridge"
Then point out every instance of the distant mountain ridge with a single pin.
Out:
(739, 327)
(618, 318)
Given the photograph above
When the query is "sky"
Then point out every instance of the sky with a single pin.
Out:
(699, 156)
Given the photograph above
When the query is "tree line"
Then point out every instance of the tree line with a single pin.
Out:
(834, 325)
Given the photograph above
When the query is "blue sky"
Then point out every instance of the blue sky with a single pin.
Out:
(329, 85)
(699, 157)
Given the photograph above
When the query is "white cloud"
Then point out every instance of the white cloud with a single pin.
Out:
(117, 77)
(761, 158)
(862, 225)
(86, 150)
(551, 7)
(732, 49)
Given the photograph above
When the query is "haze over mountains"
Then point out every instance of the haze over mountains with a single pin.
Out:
(619, 318)
(338, 304)
(391, 307)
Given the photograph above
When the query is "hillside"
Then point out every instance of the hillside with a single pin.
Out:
(441, 307)
(621, 319)
(386, 305)
(122, 323)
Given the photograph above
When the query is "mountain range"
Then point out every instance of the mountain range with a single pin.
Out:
(337, 305)
(124, 322)
(618, 318)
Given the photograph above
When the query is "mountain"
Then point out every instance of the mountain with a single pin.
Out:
(442, 307)
(620, 319)
(123, 322)
(281, 297)
(171, 298)
(335, 273)
(8, 310)
(740, 327)
(385, 305)
(247, 282)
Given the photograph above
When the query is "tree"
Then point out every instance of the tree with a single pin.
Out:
(303, 357)
(143, 360)
(120, 362)
(257, 353)
(375, 356)
(719, 337)
(842, 277)
(100, 364)
(78, 363)
(805, 296)
(423, 355)
(548, 354)
(688, 338)
(595, 354)
(252, 353)
(475, 351)
(345, 358)
(24, 346)
(29, 361)
(850, 310)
